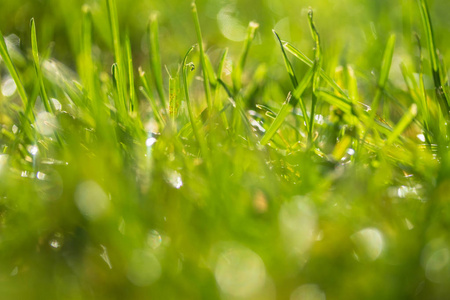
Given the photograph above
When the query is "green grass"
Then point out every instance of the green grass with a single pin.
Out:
(154, 151)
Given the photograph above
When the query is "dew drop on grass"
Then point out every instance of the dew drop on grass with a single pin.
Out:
(174, 179)
(56, 104)
(369, 243)
(239, 272)
(8, 87)
(154, 239)
(143, 268)
(91, 200)
(33, 149)
(150, 142)
(308, 292)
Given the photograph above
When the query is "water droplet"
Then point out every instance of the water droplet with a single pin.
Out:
(369, 243)
(40, 175)
(56, 104)
(150, 141)
(174, 179)
(143, 268)
(8, 87)
(55, 244)
(308, 292)
(154, 239)
(239, 271)
(91, 200)
(33, 150)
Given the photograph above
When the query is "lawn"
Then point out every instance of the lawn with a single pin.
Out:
(224, 149)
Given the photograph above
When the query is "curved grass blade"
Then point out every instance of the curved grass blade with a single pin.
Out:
(276, 124)
(316, 68)
(302, 57)
(294, 81)
(192, 119)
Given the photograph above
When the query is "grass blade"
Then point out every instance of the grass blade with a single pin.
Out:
(48, 106)
(120, 65)
(316, 68)
(129, 59)
(402, 124)
(442, 96)
(239, 68)
(155, 57)
(276, 124)
(12, 70)
(202, 56)
(294, 81)
(186, 67)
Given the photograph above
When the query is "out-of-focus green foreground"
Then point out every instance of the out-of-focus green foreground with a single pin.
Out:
(311, 162)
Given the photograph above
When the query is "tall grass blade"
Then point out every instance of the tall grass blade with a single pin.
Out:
(202, 56)
(155, 57)
(12, 70)
(37, 65)
(294, 81)
(442, 96)
(186, 68)
(276, 124)
(239, 68)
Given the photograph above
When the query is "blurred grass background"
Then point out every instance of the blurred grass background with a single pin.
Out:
(267, 224)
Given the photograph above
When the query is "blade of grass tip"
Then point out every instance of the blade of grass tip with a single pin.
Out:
(129, 56)
(220, 104)
(382, 80)
(145, 90)
(119, 100)
(316, 68)
(202, 55)
(294, 81)
(155, 58)
(186, 67)
(47, 104)
(86, 64)
(276, 124)
(120, 66)
(12, 70)
(237, 71)
(174, 95)
(442, 96)
(384, 74)
(303, 58)
(407, 118)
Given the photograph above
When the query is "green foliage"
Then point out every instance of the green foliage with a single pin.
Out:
(267, 172)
